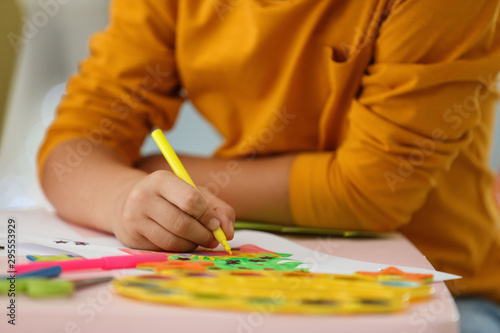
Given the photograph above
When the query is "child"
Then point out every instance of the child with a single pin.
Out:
(368, 115)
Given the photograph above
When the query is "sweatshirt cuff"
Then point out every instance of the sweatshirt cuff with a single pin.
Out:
(309, 188)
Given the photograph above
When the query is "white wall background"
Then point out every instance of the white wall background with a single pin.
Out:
(50, 55)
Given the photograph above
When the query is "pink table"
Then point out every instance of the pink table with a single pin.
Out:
(99, 309)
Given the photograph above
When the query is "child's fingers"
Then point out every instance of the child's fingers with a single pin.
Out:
(136, 241)
(177, 222)
(185, 197)
(179, 193)
(164, 239)
(134, 235)
(146, 234)
(223, 211)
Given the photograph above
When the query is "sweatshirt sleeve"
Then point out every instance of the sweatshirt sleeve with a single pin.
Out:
(420, 99)
(127, 85)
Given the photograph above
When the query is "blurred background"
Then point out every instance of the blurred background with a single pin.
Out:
(41, 44)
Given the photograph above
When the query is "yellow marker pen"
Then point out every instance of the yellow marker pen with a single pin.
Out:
(179, 170)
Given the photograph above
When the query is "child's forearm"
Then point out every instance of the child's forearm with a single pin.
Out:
(257, 189)
(88, 190)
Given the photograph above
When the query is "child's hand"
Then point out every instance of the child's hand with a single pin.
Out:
(162, 212)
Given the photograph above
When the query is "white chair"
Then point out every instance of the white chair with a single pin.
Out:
(54, 41)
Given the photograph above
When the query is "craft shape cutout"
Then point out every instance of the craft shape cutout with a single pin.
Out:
(245, 257)
(273, 291)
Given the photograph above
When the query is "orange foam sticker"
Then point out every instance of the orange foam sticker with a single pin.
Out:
(395, 272)
(176, 264)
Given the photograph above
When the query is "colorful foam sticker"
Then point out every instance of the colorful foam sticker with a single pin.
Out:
(52, 258)
(273, 291)
(245, 257)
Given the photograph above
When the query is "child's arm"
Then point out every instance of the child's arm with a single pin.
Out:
(257, 189)
(148, 211)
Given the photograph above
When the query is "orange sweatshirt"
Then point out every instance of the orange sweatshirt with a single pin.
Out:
(390, 103)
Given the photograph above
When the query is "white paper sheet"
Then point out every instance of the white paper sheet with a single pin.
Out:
(318, 262)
